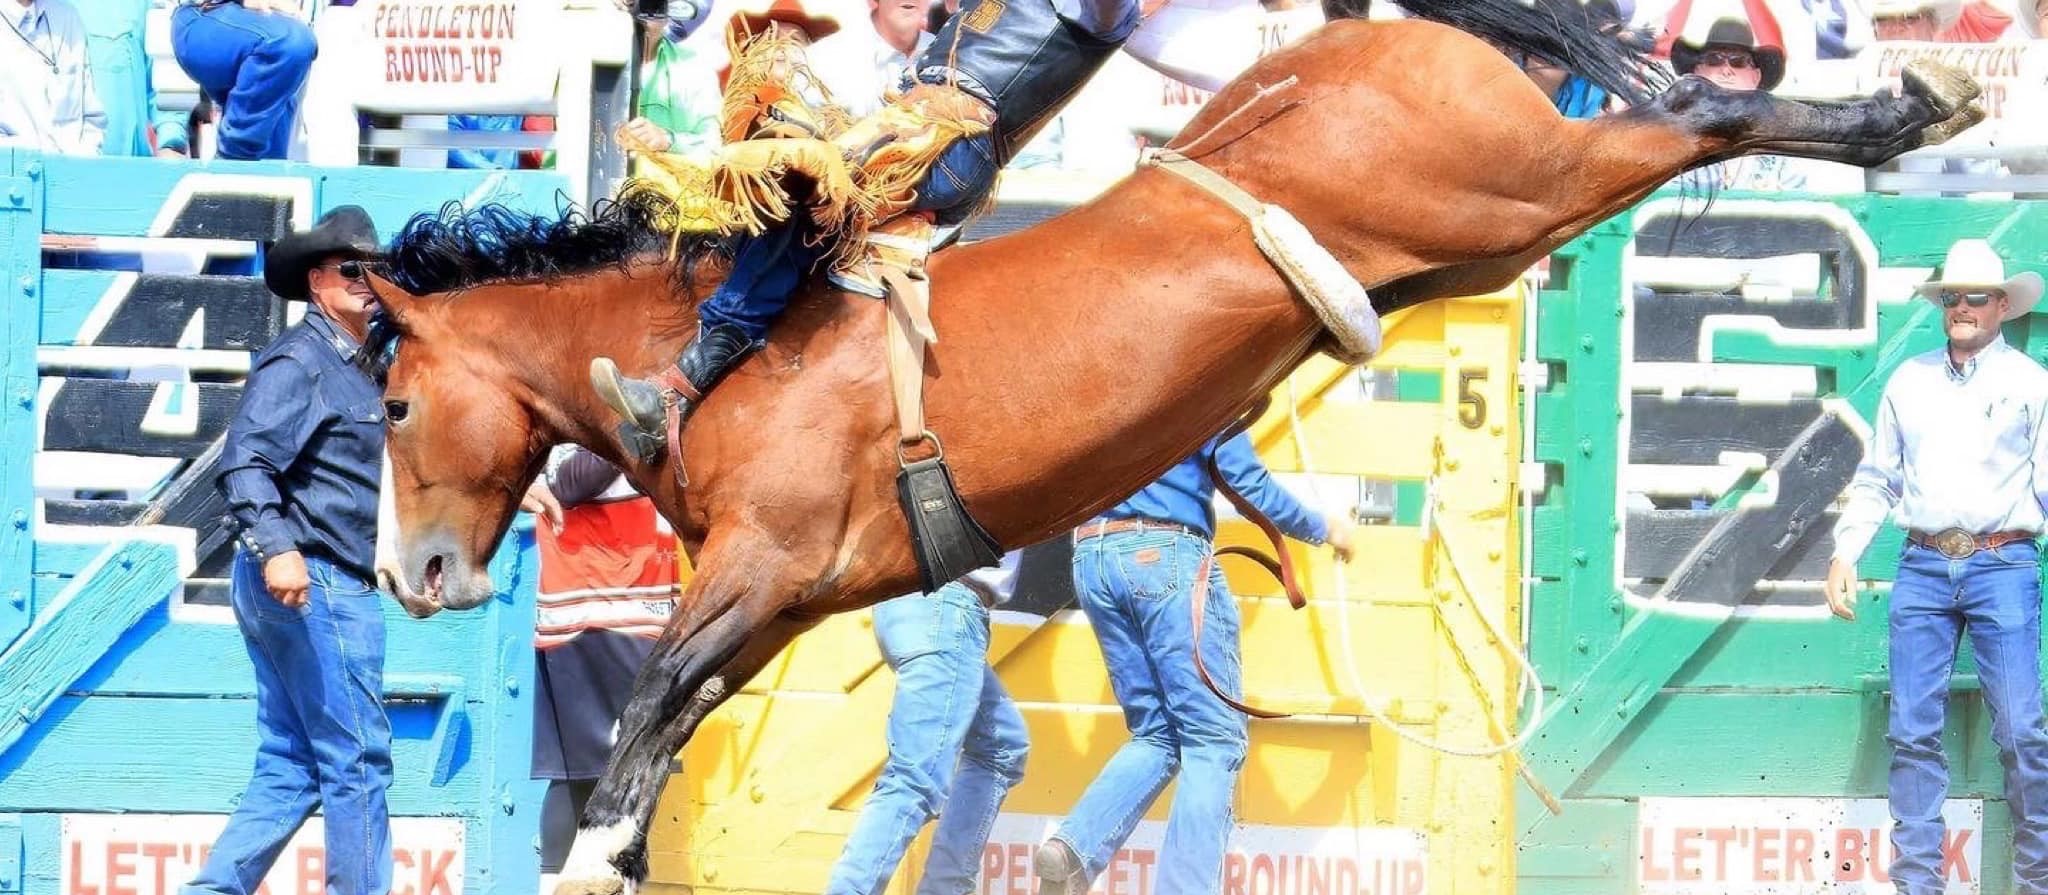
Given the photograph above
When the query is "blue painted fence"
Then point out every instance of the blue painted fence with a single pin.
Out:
(127, 727)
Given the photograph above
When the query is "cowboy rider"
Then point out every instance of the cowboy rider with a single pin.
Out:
(1003, 67)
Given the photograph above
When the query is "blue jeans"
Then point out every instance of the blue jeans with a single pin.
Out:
(1996, 596)
(1136, 588)
(324, 740)
(956, 746)
(252, 64)
(768, 268)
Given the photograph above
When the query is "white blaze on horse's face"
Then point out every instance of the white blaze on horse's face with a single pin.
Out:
(460, 457)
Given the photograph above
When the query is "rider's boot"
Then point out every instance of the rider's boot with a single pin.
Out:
(646, 403)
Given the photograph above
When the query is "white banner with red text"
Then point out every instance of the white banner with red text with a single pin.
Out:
(471, 56)
(1791, 846)
(155, 854)
(1263, 860)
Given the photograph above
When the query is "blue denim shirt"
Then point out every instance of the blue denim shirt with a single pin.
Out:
(1186, 495)
(304, 454)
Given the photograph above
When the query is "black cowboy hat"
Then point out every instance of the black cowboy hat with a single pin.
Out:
(1685, 55)
(345, 231)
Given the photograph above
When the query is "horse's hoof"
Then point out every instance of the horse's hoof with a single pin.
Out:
(600, 885)
(1941, 132)
(1947, 88)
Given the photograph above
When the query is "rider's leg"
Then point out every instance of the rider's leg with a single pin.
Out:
(730, 323)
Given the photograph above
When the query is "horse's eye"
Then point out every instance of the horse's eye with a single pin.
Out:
(395, 411)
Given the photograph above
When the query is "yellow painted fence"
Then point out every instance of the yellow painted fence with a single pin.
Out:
(1330, 800)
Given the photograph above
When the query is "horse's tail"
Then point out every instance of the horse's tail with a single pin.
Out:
(1562, 31)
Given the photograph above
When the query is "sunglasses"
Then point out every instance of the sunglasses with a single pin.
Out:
(350, 269)
(1976, 298)
(1737, 61)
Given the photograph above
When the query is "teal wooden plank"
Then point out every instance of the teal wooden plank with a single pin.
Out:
(76, 629)
(128, 196)
(10, 854)
(1793, 743)
(1589, 848)
(68, 559)
(155, 656)
(21, 219)
(68, 299)
(391, 196)
(193, 755)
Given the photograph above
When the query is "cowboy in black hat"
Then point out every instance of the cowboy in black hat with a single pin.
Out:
(1736, 45)
(300, 469)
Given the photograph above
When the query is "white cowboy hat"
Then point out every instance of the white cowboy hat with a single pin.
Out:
(1974, 264)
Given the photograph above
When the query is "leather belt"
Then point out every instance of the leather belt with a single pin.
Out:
(1122, 526)
(1956, 543)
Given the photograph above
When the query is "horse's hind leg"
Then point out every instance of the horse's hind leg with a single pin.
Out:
(730, 630)
(1934, 105)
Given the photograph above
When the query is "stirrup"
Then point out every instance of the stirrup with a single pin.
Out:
(900, 246)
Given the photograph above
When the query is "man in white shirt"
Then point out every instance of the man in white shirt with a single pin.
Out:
(1959, 451)
(859, 65)
(47, 101)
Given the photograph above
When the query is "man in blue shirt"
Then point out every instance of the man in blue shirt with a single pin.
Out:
(1959, 452)
(300, 470)
(1134, 573)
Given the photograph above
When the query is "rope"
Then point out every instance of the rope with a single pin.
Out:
(1530, 681)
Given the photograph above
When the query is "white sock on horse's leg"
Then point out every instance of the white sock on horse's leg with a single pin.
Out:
(590, 859)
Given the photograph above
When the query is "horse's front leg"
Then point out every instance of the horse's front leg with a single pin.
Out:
(731, 628)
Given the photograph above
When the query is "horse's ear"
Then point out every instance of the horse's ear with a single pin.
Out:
(397, 302)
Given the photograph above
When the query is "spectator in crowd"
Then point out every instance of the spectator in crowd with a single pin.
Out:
(608, 580)
(1958, 453)
(1841, 28)
(1573, 95)
(956, 741)
(1979, 22)
(1913, 19)
(484, 158)
(252, 58)
(47, 99)
(1736, 49)
(300, 468)
(2029, 21)
(861, 65)
(1136, 570)
(124, 76)
(680, 99)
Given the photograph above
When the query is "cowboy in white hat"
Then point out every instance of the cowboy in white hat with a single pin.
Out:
(1959, 451)
(1974, 274)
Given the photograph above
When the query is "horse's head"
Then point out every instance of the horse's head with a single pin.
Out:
(463, 442)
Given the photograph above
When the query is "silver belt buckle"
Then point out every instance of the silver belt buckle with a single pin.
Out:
(1955, 543)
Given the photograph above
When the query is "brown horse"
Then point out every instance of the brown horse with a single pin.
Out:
(1077, 360)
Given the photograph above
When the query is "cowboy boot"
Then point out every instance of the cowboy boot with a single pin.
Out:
(1059, 869)
(645, 403)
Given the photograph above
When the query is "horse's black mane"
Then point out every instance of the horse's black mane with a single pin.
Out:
(459, 248)
(1571, 33)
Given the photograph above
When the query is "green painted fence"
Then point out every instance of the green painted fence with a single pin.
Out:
(1715, 729)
